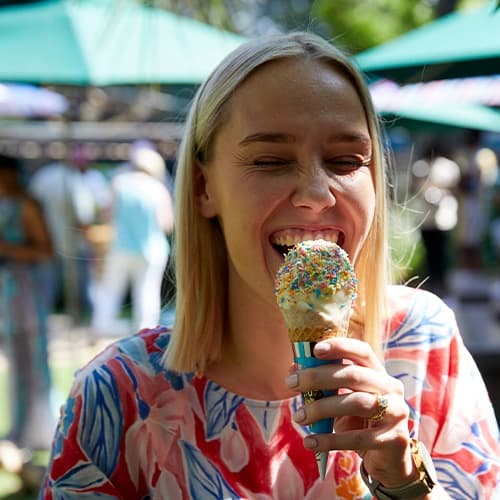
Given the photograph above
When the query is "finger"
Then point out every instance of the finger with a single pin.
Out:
(355, 404)
(355, 350)
(359, 404)
(345, 376)
(359, 440)
(378, 410)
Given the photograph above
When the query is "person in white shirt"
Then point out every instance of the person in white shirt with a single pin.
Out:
(142, 216)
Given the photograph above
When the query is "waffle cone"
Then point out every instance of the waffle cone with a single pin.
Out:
(314, 334)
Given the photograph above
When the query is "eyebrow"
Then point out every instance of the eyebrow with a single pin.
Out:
(282, 138)
(350, 137)
(267, 137)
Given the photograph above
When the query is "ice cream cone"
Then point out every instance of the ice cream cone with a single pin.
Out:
(315, 289)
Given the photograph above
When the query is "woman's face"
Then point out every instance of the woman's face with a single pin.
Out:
(291, 162)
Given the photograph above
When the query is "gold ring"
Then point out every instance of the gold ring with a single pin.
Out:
(382, 404)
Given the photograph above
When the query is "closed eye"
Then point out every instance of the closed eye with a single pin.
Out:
(347, 165)
(270, 162)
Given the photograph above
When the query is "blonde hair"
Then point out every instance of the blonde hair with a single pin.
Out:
(199, 248)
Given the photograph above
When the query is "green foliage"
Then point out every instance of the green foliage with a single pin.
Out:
(218, 13)
(359, 25)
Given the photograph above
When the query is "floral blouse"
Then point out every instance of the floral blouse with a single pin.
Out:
(131, 429)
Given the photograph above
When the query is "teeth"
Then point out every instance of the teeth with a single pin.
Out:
(291, 239)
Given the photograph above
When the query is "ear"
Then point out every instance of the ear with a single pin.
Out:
(205, 201)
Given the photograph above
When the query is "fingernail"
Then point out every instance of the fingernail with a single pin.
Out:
(299, 415)
(310, 442)
(322, 348)
(292, 380)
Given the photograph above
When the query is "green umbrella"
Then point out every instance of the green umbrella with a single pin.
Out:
(445, 116)
(451, 103)
(463, 43)
(106, 42)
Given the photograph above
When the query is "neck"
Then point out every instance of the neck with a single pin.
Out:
(256, 356)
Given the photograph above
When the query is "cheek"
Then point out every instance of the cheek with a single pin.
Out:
(368, 206)
(251, 198)
(362, 203)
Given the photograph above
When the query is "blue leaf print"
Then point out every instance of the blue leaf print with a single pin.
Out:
(176, 380)
(134, 349)
(68, 416)
(162, 340)
(101, 419)
(204, 480)
(486, 458)
(455, 481)
(69, 495)
(81, 477)
(142, 406)
(427, 322)
(220, 406)
(67, 419)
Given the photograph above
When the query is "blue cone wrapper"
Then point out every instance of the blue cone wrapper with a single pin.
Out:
(304, 358)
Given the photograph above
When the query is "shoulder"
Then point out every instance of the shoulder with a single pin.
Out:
(30, 208)
(30, 203)
(418, 318)
(401, 297)
(139, 355)
(155, 184)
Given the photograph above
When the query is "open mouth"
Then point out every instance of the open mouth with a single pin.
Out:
(284, 243)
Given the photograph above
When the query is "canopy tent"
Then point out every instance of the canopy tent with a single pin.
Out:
(470, 116)
(463, 43)
(479, 90)
(106, 42)
(455, 103)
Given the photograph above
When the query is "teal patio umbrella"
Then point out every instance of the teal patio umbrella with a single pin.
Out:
(443, 104)
(106, 42)
(463, 43)
(446, 116)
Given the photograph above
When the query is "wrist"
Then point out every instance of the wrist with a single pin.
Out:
(398, 474)
(422, 484)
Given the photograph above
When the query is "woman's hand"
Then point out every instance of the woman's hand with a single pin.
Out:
(363, 384)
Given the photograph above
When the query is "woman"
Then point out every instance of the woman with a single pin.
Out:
(281, 144)
(24, 243)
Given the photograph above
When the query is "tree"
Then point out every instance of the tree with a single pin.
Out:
(219, 13)
(365, 23)
(355, 25)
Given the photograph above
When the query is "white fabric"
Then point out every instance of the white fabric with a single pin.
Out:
(145, 278)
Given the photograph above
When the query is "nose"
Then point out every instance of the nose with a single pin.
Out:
(314, 190)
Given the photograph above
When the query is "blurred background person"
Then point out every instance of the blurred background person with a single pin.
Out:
(436, 177)
(24, 244)
(472, 213)
(495, 221)
(142, 216)
(94, 180)
(95, 231)
(69, 210)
